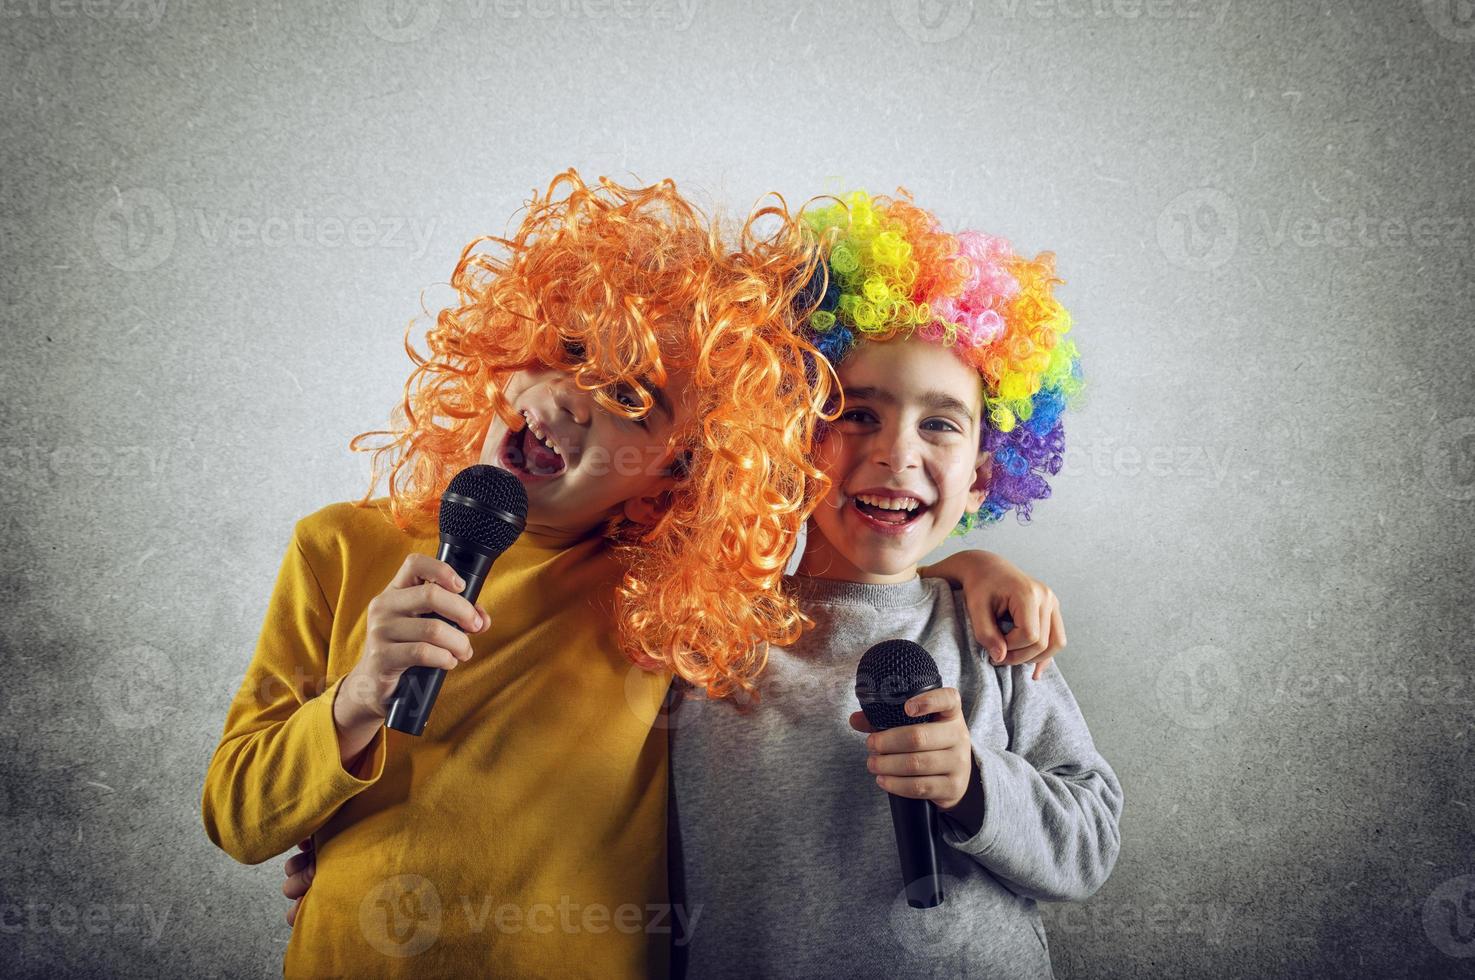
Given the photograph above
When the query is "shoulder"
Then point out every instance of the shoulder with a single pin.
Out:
(328, 535)
(952, 602)
(951, 625)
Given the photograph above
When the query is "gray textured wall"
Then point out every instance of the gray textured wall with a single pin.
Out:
(216, 224)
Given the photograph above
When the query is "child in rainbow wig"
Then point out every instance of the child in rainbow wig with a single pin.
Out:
(954, 368)
(608, 353)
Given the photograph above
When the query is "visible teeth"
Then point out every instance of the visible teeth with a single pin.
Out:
(540, 435)
(889, 503)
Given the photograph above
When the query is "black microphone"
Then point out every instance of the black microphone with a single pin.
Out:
(481, 513)
(890, 674)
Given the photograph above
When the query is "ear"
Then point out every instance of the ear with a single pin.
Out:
(983, 471)
(649, 509)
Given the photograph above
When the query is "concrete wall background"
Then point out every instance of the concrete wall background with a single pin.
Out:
(217, 222)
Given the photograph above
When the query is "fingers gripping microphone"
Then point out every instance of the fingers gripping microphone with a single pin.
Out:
(481, 513)
(890, 674)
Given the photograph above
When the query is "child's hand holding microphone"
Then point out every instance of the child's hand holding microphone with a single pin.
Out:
(400, 636)
(930, 760)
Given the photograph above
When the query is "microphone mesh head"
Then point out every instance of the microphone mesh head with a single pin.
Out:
(890, 674)
(494, 489)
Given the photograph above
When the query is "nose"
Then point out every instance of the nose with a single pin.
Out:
(897, 449)
(572, 400)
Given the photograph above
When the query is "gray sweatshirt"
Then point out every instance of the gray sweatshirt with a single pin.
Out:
(783, 855)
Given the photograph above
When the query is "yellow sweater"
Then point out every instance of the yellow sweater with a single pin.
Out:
(523, 834)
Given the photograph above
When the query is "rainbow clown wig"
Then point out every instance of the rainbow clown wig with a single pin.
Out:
(892, 272)
(618, 284)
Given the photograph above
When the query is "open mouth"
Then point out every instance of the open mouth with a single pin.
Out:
(888, 514)
(524, 452)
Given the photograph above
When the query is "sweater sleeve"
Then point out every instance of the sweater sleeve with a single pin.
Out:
(276, 775)
(1051, 802)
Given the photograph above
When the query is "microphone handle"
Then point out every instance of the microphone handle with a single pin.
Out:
(415, 694)
(915, 823)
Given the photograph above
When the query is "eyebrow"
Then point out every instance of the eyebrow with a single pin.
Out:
(932, 399)
(658, 396)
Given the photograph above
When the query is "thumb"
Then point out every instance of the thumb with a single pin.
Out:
(987, 633)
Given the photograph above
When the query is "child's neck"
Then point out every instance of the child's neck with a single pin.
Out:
(822, 561)
(555, 533)
(554, 538)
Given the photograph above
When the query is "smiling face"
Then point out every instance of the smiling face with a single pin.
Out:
(904, 461)
(581, 464)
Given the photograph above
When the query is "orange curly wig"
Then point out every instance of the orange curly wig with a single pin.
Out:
(615, 284)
